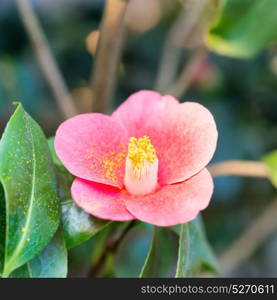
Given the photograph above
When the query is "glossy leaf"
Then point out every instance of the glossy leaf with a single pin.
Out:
(133, 250)
(78, 226)
(92, 252)
(64, 178)
(2, 228)
(50, 263)
(100, 241)
(106, 242)
(162, 256)
(195, 255)
(55, 157)
(28, 179)
(271, 161)
(243, 27)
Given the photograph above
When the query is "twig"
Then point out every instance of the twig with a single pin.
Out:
(110, 248)
(239, 168)
(180, 30)
(108, 54)
(255, 234)
(46, 59)
(183, 82)
(169, 61)
(263, 225)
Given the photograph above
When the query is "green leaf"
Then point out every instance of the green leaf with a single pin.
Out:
(162, 256)
(64, 178)
(108, 245)
(29, 182)
(55, 157)
(92, 251)
(50, 263)
(195, 255)
(271, 162)
(133, 250)
(2, 227)
(100, 241)
(243, 27)
(78, 226)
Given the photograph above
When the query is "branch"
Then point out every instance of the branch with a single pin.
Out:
(180, 30)
(239, 168)
(183, 82)
(246, 244)
(108, 54)
(110, 248)
(46, 59)
(260, 229)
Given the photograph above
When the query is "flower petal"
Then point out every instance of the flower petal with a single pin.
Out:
(93, 147)
(183, 134)
(169, 205)
(173, 204)
(102, 201)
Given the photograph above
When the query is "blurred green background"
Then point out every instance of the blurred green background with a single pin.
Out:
(241, 93)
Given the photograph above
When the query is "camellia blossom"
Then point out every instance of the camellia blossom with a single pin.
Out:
(146, 161)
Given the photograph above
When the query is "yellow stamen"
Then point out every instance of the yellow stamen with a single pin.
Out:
(111, 164)
(141, 167)
(140, 150)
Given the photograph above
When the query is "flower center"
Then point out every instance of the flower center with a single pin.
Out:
(141, 167)
(140, 150)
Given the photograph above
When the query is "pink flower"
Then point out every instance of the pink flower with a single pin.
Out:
(146, 161)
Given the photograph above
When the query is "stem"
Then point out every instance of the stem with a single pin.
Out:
(170, 59)
(110, 248)
(239, 168)
(263, 225)
(183, 82)
(46, 59)
(180, 30)
(243, 247)
(108, 54)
